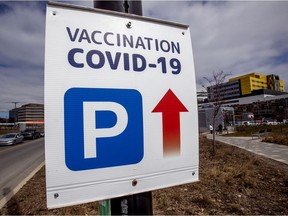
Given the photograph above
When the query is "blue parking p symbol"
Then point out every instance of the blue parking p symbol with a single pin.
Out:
(103, 128)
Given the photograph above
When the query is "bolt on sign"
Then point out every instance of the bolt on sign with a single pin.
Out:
(120, 105)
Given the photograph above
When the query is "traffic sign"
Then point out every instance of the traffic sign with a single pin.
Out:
(120, 105)
(103, 119)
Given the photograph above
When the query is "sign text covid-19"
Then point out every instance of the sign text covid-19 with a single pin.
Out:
(97, 58)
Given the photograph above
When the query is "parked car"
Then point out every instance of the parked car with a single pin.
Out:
(42, 134)
(31, 134)
(269, 122)
(249, 123)
(11, 139)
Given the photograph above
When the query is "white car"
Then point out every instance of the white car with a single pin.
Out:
(11, 139)
(268, 122)
(249, 123)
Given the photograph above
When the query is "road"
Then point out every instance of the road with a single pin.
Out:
(17, 162)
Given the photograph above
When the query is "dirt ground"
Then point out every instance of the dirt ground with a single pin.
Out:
(232, 182)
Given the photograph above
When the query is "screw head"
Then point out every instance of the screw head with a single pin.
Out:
(134, 182)
(129, 25)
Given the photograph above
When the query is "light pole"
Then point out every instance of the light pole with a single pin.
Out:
(285, 109)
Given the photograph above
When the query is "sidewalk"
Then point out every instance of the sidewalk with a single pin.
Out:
(269, 150)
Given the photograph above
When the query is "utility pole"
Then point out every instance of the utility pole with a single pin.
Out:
(137, 204)
(126, 6)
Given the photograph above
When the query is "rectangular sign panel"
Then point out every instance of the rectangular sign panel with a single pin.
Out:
(120, 105)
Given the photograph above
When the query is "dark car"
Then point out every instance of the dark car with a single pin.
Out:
(31, 134)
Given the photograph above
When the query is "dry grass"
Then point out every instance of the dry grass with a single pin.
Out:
(4, 131)
(279, 133)
(277, 138)
(232, 182)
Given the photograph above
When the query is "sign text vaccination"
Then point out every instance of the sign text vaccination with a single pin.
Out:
(97, 58)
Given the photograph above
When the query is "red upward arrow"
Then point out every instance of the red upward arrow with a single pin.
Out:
(170, 106)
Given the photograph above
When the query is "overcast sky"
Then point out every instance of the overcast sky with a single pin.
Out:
(234, 36)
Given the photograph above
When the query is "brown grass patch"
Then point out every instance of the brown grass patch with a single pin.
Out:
(281, 139)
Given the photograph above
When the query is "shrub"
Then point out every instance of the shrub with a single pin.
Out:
(281, 139)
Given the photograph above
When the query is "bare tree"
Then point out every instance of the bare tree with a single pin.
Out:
(215, 95)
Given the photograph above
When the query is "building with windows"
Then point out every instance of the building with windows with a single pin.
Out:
(225, 117)
(256, 81)
(246, 85)
(265, 104)
(224, 91)
(274, 83)
(262, 95)
(28, 113)
(202, 97)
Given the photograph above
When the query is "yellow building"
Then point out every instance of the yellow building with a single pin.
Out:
(256, 81)
(274, 83)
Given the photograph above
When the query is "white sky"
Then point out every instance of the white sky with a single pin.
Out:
(234, 36)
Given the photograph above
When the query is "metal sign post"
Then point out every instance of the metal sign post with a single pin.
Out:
(137, 204)
(104, 207)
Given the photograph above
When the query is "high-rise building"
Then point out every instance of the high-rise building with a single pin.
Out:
(245, 85)
(224, 91)
(274, 83)
(28, 113)
(256, 81)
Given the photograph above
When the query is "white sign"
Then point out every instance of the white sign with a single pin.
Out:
(120, 105)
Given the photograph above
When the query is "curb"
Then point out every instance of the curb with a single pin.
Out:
(6, 198)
